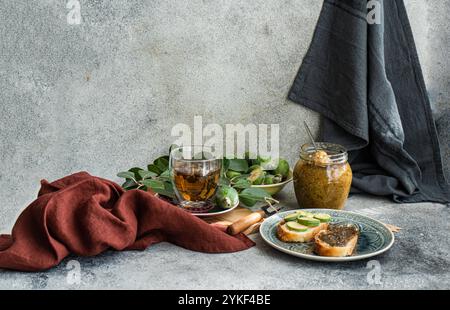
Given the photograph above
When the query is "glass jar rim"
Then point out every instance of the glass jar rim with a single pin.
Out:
(196, 149)
(336, 152)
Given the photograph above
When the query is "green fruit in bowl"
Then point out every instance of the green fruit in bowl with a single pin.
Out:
(227, 197)
(268, 163)
(277, 178)
(256, 176)
(254, 167)
(282, 168)
(269, 179)
(232, 174)
(272, 179)
(259, 180)
(275, 188)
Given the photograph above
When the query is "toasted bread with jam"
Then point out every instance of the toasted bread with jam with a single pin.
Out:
(336, 241)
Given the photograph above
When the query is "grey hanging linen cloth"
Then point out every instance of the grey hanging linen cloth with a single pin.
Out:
(366, 81)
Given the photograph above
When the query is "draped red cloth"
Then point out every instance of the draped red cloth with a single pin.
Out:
(85, 215)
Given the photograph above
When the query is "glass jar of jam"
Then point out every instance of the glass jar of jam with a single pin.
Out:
(322, 176)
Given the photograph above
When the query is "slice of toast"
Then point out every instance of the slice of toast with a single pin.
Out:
(336, 241)
(287, 235)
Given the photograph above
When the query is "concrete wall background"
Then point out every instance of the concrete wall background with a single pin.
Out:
(103, 95)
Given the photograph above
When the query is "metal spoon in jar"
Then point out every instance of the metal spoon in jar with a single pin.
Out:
(320, 157)
(310, 136)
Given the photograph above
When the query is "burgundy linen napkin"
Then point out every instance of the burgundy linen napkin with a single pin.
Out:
(86, 215)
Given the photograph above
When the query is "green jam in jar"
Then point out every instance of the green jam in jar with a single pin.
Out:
(322, 176)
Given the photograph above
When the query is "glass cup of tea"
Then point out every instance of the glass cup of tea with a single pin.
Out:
(195, 173)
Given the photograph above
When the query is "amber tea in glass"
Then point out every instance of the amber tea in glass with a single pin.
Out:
(195, 175)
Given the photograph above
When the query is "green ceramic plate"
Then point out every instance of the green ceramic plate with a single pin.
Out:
(374, 239)
(274, 189)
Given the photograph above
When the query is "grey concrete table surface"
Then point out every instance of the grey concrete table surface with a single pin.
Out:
(419, 259)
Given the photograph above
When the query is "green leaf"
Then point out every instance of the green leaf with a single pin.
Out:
(162, 163)
(256, 192)
(136, 170)
(129, 184)
(239, 165)
(155, 169)
(144, 174)
(242, 184)
(153, 184)
(246, 201)
(250, 196)
(162, 188)
(165, 176)
(168, 186)
(164, 192)
(126, 175)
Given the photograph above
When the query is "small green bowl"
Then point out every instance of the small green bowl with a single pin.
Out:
(274, 189)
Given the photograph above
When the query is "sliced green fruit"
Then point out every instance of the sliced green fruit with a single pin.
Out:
(290, 217)
(304, 214)
(323, 217)
(296, 227)
(256, 177)
(308, 221)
